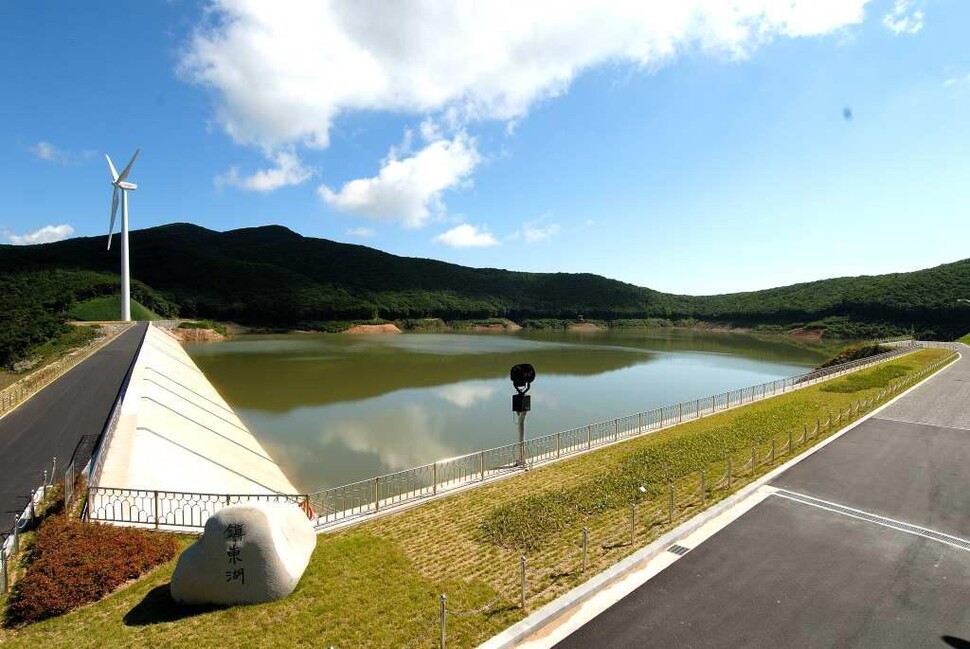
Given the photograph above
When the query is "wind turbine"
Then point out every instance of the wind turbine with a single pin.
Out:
(119, 182)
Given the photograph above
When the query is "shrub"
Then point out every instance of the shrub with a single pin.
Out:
(72, 563)
(877, 378)
(854, 354)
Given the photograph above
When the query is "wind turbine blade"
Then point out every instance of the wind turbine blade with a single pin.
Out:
(114, 211)
(111, 168)
(124, 172)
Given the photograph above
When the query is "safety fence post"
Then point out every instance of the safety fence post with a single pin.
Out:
(444, 613)
(670, 513)
(585, 540)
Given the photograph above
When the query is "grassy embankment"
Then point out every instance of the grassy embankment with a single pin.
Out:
(377, 584)
(107, 308)
(205, 324)
(52, 350)
(965, 340)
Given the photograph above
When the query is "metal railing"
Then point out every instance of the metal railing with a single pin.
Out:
(71, 477)
(608, 536)
(933, 344)
(10, 545)
(339, 505)
(10, 398)
(169, 510)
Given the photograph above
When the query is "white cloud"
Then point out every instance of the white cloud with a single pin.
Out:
(289, 170)
(361, 232)
(380, 435)
(44, 150)
(47, 234)
(409, 190)
(534, 232)
(467, 236)
(957, 81)
(903, 19)
(282, 76)
(49, 152)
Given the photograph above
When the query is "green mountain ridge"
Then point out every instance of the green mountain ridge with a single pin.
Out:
(272, 276)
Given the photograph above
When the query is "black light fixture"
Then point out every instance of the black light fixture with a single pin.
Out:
(522, 376)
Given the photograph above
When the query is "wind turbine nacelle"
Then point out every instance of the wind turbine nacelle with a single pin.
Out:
(126, 185)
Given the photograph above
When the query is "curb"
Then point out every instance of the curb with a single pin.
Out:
(535, 622)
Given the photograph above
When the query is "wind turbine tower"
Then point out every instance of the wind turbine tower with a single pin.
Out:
(120, 182)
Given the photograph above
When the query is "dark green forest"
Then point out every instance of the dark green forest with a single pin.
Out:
(273, 277)
(34, 305)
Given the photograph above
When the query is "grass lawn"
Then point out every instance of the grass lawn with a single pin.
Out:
(377, 584)
(109, 308)
(964, 339)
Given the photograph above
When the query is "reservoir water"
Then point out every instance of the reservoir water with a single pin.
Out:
(334, 408)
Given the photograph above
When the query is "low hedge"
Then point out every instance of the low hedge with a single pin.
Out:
(875, 378)
(855, 353)
(72, 563)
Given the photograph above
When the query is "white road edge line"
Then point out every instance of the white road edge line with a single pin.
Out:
(646, 570)
(884, 521)
(566, 614)
(921, 423)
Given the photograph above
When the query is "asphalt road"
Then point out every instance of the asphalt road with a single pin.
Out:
(52, 422)
(792, 574)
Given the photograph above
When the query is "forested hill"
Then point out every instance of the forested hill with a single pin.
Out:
(273, 276)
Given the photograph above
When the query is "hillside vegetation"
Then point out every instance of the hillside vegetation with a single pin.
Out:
(271, 276)
(108, 307)
(36, 304)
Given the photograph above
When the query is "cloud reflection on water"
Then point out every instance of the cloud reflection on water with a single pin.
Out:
(466, 395)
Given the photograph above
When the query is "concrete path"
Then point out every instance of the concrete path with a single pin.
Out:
(52, 422)
(866, 543)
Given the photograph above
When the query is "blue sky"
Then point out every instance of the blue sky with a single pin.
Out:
(692, 147)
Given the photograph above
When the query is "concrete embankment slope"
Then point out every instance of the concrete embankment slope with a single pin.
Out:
(176, 433)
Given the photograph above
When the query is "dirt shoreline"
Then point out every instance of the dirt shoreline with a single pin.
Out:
(803, 335)
(358, 330)
(195, 335)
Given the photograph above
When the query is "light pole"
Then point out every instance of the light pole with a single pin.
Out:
(522, 376)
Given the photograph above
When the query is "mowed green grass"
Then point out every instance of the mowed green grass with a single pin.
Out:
(109, 308)
(965, 340)
(377, 584)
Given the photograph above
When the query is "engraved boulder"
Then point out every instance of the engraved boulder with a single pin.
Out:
(248, 553)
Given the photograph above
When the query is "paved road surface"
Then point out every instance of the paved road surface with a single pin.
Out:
(807, 572)
(53, 421)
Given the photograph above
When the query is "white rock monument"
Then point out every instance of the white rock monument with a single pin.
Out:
(248, 553)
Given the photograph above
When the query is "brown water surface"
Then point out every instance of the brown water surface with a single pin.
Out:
(334, 409)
